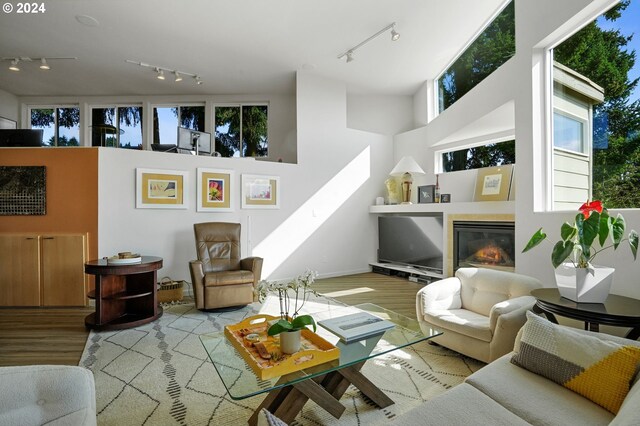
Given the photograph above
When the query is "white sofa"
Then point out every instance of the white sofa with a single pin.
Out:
(479, 310)
(505, 394)
(56, 395)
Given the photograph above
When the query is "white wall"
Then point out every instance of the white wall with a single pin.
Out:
(387, 115)
(323, 221)
(9, 106)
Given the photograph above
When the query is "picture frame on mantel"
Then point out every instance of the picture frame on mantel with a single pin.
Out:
(426, 194)
(493, 183)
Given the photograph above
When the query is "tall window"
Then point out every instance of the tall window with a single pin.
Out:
(117, 127)
(242, 130)
(492, 48)
(167, 119)
(60, 125)
(492, 154)
(596, 112)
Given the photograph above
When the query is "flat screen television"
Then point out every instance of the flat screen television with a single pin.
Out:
(414, 241)
(193, 140)
(20, 137)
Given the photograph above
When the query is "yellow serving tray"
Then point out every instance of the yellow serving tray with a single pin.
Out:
(314, 351)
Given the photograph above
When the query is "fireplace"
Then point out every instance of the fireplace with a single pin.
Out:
(484, 244)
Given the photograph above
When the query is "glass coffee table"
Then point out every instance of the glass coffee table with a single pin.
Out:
(325, 383)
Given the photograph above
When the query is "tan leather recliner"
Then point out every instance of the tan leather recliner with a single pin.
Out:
(220, 277)
(479, 310)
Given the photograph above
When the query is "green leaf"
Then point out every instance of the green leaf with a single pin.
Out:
(605, 227)
(279, 327)
(617, 230)
(633, 242)
(536, 239)
(590, 228)
(560, 252)
(302, 321)
(567, 231)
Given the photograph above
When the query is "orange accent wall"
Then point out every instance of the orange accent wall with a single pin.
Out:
(72, 191)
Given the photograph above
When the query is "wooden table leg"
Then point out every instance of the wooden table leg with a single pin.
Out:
(366, 386)
(326, 391)
(538, 310)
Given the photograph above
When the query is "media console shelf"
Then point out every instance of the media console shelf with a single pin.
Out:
(412, 274)
(125, 294)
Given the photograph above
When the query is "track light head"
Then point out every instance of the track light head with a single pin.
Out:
(350, 56)
(178, 76)
(394, 34)
(14, 65)
(160, 75)
(198, 80)
(44, 65)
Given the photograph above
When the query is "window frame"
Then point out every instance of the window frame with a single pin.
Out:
(240, 105)
(436, 80)
(55, 107)
(439, 163)
(178, 105)
(91, 107)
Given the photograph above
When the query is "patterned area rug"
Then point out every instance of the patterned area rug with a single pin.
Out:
(159, 374)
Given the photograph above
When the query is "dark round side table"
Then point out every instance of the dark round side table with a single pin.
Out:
(617, 310)
(126, 294)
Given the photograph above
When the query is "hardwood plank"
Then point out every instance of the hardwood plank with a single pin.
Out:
(58, 335)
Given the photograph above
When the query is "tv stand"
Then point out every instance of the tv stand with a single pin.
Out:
(412, 274)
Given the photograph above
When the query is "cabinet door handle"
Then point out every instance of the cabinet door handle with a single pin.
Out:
(30, 238)
(48, 238)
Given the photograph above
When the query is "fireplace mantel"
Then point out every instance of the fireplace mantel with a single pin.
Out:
(479, 207)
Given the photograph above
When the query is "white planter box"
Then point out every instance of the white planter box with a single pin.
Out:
(584, 285)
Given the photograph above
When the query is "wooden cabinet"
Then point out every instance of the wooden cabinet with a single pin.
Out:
(43, 269)
(20, 266)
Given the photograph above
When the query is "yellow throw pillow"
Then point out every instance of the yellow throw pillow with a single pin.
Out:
(597, 369)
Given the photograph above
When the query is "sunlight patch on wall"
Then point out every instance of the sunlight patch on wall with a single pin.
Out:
(295, 230)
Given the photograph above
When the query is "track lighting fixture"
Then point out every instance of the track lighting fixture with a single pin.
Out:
(160, 72)
(44, 65)
(350, 56)
(349, 53)
(394, 34)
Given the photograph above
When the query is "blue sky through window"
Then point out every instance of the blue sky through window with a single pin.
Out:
(628, 24)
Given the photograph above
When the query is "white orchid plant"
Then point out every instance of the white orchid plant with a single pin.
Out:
(293, 295)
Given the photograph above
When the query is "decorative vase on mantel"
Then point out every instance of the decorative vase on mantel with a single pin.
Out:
(290, 341)
(584, 285)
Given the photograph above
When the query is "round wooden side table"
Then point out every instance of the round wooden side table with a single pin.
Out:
(125, 294)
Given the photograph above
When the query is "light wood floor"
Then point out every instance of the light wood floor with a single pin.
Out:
(57, 336)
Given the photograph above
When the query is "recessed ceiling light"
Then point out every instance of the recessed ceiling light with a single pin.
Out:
(87, 20)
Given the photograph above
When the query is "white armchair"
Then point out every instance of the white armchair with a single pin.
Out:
(59, 395)
(479, 310)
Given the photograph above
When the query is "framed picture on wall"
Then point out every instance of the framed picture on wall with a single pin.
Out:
(214, 190)
(260, 192)
(493, 183)
(161, 189)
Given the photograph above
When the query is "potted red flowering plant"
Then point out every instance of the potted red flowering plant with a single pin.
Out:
(572, 256)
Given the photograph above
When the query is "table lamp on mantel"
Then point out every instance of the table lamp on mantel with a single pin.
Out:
(405, 167)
